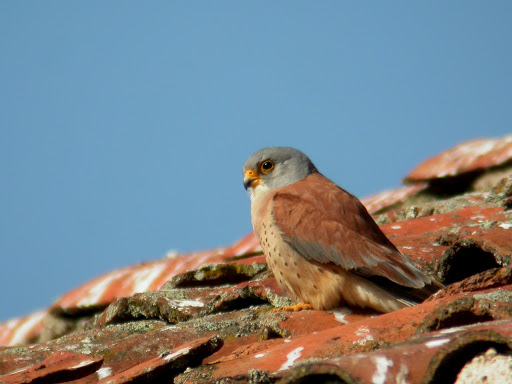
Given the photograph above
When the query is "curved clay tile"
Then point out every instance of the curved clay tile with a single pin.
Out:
(470, 156)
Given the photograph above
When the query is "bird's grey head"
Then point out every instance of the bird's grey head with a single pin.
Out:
(276, 167)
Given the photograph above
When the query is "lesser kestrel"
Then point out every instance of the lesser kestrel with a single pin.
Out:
(321, 243)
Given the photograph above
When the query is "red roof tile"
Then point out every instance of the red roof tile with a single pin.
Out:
(474, 155)
(148, 276)
(387, 199)
(57, 366)
(22, 330)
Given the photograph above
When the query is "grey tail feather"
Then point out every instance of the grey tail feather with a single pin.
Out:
(406, 295)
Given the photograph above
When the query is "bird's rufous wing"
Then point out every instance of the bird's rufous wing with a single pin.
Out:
(323, 222)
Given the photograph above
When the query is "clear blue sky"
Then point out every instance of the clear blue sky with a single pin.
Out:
(124, 125)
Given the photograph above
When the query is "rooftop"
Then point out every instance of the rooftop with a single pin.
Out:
(208, 316)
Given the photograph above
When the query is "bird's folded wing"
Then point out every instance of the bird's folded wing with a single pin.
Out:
(323, 222)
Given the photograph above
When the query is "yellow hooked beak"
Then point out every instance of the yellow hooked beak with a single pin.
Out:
(251, 179)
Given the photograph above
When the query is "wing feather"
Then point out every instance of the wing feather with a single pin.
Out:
(325, 223)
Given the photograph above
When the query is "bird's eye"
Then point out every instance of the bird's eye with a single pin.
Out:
(267, 166)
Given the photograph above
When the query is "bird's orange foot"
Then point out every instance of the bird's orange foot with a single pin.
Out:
(294, 308)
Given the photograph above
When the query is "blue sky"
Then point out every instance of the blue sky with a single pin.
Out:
(124, 125)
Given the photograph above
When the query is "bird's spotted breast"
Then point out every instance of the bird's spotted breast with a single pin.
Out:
(278, 255)
(302, 279)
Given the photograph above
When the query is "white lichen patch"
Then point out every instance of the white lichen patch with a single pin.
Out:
(144, 278)
(436, 343)
(291, 358)
(186, 303)
(382, 365)
(97, 291)
(104, 372)
(182, 351)
(453, 329)
(341, 313)
(364, 335)
(83, 364)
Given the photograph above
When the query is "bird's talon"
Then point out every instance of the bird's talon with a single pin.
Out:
(295, 308)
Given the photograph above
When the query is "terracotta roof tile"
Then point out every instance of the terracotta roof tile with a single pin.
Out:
(391, 198)
(474, 155)
(57, 366)
(149, 276)
(22, 330)
(208, 316)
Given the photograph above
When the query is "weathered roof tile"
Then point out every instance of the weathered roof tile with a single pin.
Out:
(474, 155)
(56, 367)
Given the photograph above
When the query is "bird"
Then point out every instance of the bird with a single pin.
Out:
(323, 247)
